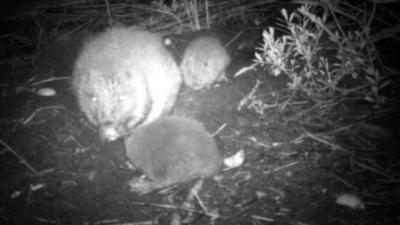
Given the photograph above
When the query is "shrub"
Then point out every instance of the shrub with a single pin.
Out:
(321, 60)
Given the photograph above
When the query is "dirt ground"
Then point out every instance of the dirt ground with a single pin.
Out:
(56, 170)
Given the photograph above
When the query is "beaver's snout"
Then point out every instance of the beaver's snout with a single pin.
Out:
(108, 131)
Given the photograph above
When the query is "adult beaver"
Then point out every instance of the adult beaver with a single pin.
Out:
(125, 77)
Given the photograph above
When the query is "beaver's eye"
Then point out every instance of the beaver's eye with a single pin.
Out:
(90, 96)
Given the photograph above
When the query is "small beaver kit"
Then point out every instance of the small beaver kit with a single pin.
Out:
(171, 150)
(204, 62)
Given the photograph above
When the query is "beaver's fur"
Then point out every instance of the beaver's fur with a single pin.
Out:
(124, 77)
(204, 62)
(172, 150)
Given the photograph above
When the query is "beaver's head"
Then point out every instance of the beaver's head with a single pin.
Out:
(115, 104)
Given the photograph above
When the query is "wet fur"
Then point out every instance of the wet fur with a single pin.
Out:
(172, 150)
(125, 77)
(204, 62)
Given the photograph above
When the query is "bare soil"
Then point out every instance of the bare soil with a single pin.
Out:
(64, 173)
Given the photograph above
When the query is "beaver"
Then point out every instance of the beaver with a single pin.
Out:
(204, 62)
(171, 150)
(124, 77)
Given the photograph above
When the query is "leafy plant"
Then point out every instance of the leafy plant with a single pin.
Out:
(320, 59)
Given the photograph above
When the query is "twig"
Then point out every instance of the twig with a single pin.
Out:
(385, 33)
(372, 16)
(383, 1)
(315, 137)
(362, 165)
(249, 95)
(219, 129)
(110, 21)
(50, 80)
(259, 143)
(382, 113)
(234, 38)
(20, 158)
(285, 103)
(209, 214)
(195, 192)
(28, 199)
(46, 221)
(207, 14)
(285, 166)
(344, 181)
(38, 110)
(262, 218)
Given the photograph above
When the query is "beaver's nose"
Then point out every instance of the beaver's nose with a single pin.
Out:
(108, 131)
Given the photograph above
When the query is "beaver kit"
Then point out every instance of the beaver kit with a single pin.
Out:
(171, 150)
(204, 62)
(125, 77)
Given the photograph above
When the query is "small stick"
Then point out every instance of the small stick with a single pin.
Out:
(38, 110)
(234, 38)
(108, 13)
(285, 166)
(28, 199)
(207, 14)
(344, 181)
(51, 79)
(335, 147)
(374, 170)
(262, 218)
(212, 215)
(219, 129)
(248, 96)
(21, 159)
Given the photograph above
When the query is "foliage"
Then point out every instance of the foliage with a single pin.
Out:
(319, 58)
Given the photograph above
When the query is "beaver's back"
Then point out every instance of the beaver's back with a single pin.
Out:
(115, 48)
(172, 150)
